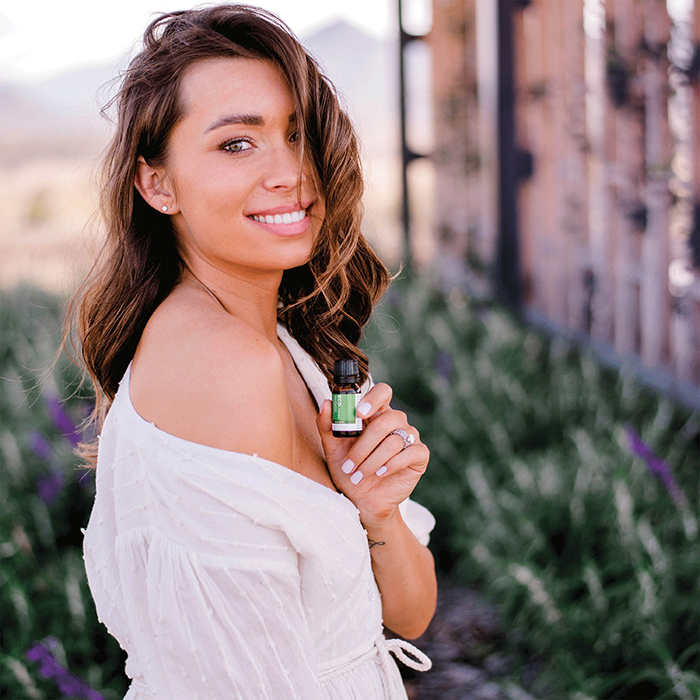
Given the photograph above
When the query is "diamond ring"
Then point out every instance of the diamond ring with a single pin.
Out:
(407, 438)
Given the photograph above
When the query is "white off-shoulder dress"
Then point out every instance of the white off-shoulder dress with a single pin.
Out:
(227, 576)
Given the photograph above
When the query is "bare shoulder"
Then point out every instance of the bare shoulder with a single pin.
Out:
(208, 377)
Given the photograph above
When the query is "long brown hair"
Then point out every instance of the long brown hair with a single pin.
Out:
(325, 302)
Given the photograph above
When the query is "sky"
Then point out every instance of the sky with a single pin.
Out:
(41, 37)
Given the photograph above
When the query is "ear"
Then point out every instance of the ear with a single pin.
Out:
(152, 184)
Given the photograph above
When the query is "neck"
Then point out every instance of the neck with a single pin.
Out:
(250, 296)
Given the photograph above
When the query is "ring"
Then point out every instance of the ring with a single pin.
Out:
(407, 438)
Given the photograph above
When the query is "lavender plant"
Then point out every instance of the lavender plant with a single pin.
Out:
(68, 684)
(52, 644)
(563, 490)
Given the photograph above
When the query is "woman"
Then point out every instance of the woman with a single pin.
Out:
(236, 549)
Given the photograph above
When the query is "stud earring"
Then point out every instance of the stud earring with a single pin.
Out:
(164, 208)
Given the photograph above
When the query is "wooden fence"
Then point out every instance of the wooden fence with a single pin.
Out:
(607, 112)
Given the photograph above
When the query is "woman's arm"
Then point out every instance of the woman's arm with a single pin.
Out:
(405, 573)
(377, 473)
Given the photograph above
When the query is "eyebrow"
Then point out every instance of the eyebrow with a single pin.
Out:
(246, 119)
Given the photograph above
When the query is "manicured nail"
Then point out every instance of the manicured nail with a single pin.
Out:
(381, 471)
(364, 408)
(347, 466)
(356, 478)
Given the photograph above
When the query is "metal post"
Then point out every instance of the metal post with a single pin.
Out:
(506, 272)
(407, 155)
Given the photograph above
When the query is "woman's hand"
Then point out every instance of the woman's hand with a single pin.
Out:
(374, 471)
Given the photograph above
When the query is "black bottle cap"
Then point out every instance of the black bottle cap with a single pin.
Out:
(346, 371)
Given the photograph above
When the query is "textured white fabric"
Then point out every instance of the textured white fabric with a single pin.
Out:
(224, 575)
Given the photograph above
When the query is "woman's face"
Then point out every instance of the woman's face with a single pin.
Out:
(233, 168)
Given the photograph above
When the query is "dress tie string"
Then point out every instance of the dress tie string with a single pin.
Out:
(400, 648)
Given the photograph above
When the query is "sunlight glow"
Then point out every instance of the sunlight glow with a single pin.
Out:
(44, 37)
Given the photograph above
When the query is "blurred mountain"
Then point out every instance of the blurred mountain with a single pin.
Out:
(57, 117)
(365, 71)
(67, 104)
(76, 93)
(363, 68)
(20, 108)
(83, 90)
(52, 134)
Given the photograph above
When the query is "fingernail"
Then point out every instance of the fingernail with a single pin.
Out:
(364, 408)
(356, 478)
(347, 466)
(381, 471)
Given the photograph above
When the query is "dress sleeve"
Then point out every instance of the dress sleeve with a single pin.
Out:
(419, 520)
(217, 603)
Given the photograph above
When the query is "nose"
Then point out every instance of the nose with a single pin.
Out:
(283, 168)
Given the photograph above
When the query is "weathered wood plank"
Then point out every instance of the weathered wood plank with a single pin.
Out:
(655, 301)
(456, 156)
(575, 204)
(600, 222)
(528, 137)
(629, 211)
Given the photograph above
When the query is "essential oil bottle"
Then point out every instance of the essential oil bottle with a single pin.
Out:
(346, 398)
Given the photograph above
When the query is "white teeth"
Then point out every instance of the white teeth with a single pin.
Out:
(288, 218)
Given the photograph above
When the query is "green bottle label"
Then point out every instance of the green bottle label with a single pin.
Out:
(345, 412)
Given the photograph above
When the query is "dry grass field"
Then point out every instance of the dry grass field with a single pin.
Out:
(49, 228)
(48, 197)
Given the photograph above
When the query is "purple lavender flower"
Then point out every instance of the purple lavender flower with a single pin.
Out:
(40, 446)
(637, 446)
(393, 298)
(49, 486)
(443, 365)
(68, 683)
(62, 420)
(87, 479)
(87, 407)
(657, 466)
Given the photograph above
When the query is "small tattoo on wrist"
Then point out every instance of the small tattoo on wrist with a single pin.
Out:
(373, 542)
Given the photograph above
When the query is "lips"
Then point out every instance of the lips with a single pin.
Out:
(282, 209)
(285, 220)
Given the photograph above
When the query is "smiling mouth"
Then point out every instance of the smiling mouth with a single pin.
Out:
(286, 218)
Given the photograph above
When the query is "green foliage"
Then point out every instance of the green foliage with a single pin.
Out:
(39, 209)
(539, 500)
(46, 499)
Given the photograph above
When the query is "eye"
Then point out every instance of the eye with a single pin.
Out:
(294, 138)
(236, 145)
